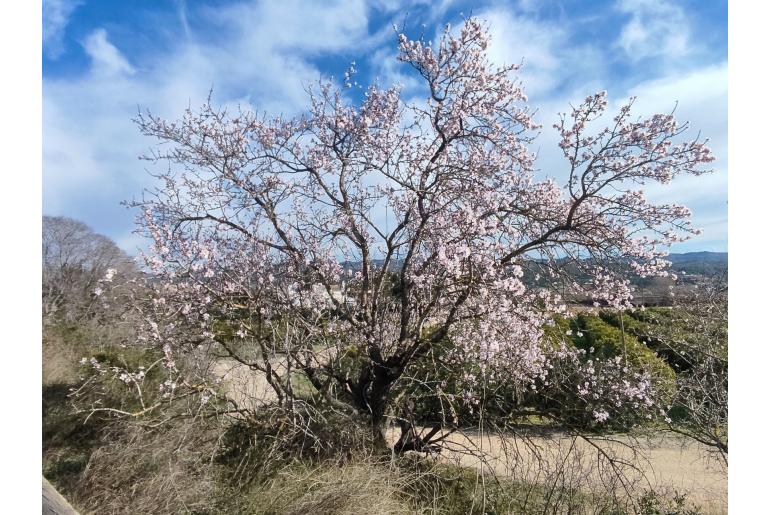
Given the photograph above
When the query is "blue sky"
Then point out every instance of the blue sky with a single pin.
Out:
(104, 60)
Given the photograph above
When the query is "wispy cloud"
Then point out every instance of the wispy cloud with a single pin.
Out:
(697, 97)
(656, 28)
(700, 98)
(56, 16)
(263, 54)
(90, 144)
(550, 57)
(105, 58)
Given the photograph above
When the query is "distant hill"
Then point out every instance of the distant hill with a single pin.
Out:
(688, 265)
(699, 263)
(698, 257)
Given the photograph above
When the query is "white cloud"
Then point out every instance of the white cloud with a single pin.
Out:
(389, 71)
(263, 60)
(656, 28)
(550, 59)
(263, 54)
(105, 58)
(301, 26)
(701, 98)
(56, 16)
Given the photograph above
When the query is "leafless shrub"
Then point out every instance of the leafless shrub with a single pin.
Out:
(75, 258)
(695, 339)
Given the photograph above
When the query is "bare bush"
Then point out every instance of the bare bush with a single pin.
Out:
(702, 384)
(74, 260)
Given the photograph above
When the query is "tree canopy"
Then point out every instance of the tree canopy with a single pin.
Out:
(438, 206)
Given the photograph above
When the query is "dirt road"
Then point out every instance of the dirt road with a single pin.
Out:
(664, 463)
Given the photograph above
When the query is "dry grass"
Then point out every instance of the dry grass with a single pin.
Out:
(64, 344)
(148, 471)
(173, 470)
(60, 361)
(349, 489)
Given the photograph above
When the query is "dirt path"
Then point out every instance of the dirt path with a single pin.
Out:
(664, 463)
(245, 386)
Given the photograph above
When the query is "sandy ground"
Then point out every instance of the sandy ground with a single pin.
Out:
(664, 463)
(245, 386)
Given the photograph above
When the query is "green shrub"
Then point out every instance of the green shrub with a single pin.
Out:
(437, 381)
(590, 331)
(652, 503)
(602, 345)
(649, 326)
(672, 333)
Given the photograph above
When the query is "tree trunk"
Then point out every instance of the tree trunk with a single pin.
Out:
(371, 395)
(378, 403)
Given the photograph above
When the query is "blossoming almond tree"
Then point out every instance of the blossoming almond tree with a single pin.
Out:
(345, 244)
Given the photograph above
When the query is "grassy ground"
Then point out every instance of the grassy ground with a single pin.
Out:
(186, 466)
